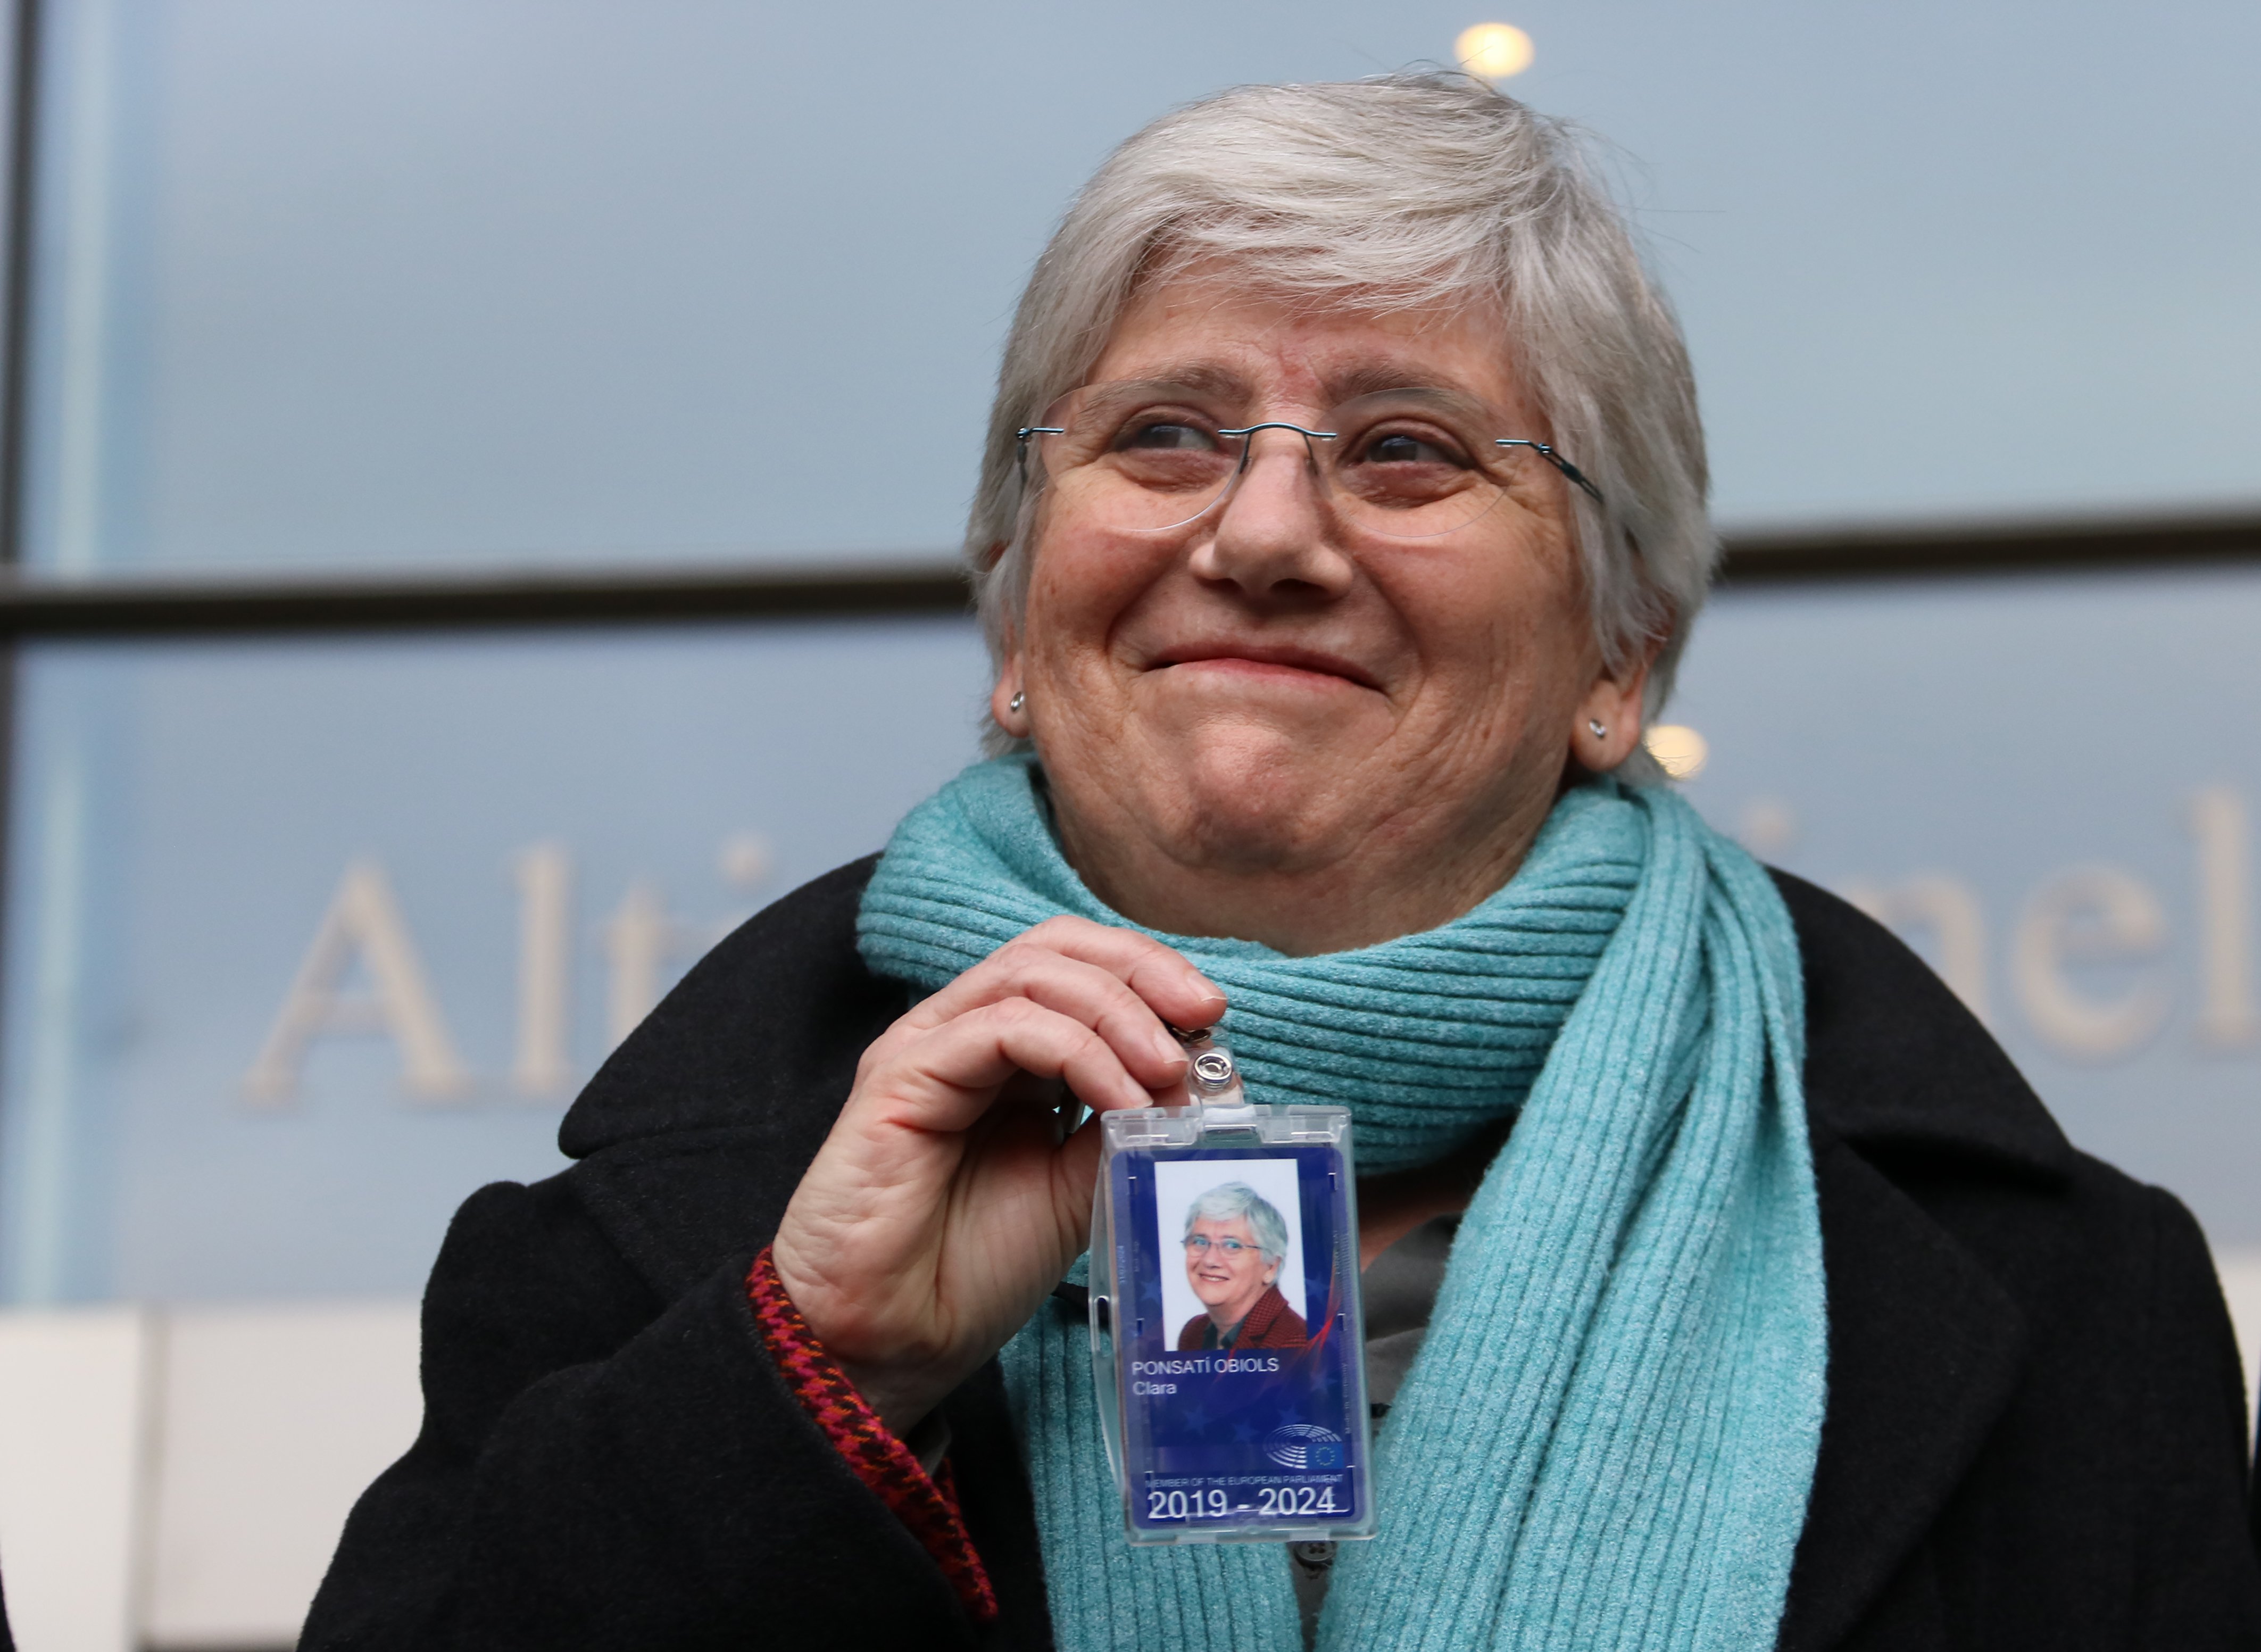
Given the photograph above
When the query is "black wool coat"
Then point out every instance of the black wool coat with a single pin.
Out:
(2035, 1435)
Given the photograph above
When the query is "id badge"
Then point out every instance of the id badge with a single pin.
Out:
(1226, 1333)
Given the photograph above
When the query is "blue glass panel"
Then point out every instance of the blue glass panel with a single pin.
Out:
(476, 280)
(515, 846)
(2052, 788)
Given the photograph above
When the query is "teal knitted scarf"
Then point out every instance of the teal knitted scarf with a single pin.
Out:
(1609, 1437)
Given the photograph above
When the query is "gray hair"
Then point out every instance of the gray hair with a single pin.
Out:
(1393, 192)
(1237, 1201)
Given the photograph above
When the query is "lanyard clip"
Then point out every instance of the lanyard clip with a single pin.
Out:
(1212, 1076)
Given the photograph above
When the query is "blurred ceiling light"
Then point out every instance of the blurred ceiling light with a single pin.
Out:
(746, 861)
(1493, 51)
(1768, 827)
(1680, 749)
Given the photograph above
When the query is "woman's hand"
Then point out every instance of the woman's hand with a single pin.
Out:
(945, 1203)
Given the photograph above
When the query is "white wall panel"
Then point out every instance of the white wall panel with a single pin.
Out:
(2241, 1283)
(273, 1420)
(73, 1396)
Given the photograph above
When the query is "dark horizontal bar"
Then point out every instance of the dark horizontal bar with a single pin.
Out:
(2064, 546)
(134, 605)
(129, 605)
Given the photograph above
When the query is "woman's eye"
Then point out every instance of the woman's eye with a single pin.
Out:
(1401, 448)
(1168, 437)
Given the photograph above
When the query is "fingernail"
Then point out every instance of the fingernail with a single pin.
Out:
(1208, 986)
(1167, 1047)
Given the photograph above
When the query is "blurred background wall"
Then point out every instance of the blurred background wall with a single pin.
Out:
(481, 475)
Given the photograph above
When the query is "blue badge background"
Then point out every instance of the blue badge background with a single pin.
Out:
(1210, 1431)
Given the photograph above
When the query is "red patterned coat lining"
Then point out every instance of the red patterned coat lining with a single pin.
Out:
(926, 1504)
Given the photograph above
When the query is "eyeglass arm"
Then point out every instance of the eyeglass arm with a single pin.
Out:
(1021, 447)
(1555, 459)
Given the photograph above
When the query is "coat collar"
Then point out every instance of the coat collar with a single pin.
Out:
(1925, 1349)
(1895, 1063)
(1926, 1346)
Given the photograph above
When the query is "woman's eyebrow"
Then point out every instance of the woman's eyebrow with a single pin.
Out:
(1351, 383)
(1205, 377)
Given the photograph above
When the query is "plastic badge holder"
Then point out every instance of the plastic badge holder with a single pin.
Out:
(1266, 1440)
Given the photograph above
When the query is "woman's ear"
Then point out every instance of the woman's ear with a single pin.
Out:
(1008, 702)
(1607, 726)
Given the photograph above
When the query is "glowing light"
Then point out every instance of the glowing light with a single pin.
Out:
(1768, 827)
(1680, 749)
(1493, 51)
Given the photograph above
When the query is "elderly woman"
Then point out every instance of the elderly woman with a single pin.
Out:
(1235, 1240)
(1341, 521)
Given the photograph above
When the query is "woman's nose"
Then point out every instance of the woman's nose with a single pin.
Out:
(1276, 537)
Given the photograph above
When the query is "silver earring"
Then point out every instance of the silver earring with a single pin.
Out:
(1015, 704)
(1601, 729)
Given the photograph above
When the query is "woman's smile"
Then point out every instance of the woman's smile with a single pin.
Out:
(1233, 666)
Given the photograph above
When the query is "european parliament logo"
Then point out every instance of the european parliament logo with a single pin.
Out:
(1304, 1446)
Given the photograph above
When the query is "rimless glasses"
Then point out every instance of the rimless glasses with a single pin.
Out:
(1148, 456)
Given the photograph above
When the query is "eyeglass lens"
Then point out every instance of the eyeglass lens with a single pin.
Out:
(1200, 1244)
(1147, 457)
